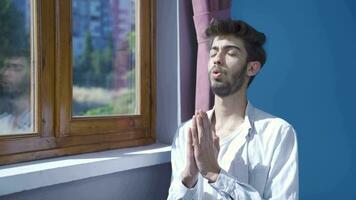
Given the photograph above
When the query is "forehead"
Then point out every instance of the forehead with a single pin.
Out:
(225, 40)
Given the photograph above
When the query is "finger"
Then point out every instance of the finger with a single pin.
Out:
(213, 131)
(215, 139)
(200, 128)
(190, 144)
(190, 140)
(216, 142)
(194, 133)
(194, 122)
(207, 127)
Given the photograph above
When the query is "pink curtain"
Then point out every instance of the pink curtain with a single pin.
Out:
(187, 59)
(204, 11)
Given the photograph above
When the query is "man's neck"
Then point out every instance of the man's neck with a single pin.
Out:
(21, 104)
(229, 112)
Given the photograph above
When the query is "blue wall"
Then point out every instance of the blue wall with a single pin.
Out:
(309, 80)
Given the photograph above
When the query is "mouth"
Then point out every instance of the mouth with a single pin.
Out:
(216, 73)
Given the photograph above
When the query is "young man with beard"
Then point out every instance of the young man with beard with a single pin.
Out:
(234, 151)
(15, 83)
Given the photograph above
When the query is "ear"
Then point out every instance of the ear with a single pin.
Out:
(253, 68)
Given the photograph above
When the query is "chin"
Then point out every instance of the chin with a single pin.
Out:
(221, 94)
(221, 90)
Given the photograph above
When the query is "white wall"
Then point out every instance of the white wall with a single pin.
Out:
(167, 95)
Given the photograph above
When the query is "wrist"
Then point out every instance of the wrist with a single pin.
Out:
(189, 180)
(213, 175)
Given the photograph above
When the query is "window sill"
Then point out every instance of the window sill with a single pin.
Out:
(36, 174)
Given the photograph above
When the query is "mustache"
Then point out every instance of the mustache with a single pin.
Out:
(218, 68)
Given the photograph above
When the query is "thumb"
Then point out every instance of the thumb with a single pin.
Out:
(216, 141)
(190, 148)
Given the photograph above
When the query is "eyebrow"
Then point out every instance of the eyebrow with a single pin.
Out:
(227, 47)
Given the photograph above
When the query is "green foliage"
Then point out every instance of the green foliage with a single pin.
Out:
(130, 77)
(104, 110)
(13, 37)
(132, 41)
(94, 68)
(124, 104)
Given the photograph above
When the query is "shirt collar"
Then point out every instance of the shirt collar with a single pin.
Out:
(249, 119)
(249, 115)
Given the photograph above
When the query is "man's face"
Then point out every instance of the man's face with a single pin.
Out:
(14, 74)
(227, 65)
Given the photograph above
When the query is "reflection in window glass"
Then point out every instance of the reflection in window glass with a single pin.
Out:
(16, 92)
(104, 73)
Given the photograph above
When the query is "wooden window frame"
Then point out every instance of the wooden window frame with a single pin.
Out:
(59, 134)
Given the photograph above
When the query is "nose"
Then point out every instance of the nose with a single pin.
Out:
(218, 59)
(6, 72)
(9, 72)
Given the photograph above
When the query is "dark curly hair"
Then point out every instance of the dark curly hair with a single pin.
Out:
(253, 40)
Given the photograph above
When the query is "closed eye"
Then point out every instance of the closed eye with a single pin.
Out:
(213, 53)
(232, 53)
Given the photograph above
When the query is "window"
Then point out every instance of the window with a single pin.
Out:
(16, 69)
(79, 76)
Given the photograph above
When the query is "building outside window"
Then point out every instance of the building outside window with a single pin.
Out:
(75, 76)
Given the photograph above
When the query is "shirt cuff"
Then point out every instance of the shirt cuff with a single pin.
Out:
(224, 183)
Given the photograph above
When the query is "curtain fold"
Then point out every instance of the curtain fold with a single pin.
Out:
(187, 47)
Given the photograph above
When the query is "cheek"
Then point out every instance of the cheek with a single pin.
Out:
(210, 61)
(234, 65)
(237, 68)
(233, 60)
(210, 65)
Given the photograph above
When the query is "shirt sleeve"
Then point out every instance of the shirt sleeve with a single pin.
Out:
(282, 182)
(177, 189)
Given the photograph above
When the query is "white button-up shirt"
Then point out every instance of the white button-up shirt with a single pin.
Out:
(258, 161)
(9, 124)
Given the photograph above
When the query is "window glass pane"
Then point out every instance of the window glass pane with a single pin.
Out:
(104, 57)
(16, 90)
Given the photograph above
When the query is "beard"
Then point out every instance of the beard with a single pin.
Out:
(15, 90)
(224, 86)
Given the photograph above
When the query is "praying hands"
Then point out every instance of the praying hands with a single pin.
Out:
(202, 151)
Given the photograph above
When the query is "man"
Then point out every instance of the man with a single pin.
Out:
(15, 96)
(234, 151)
